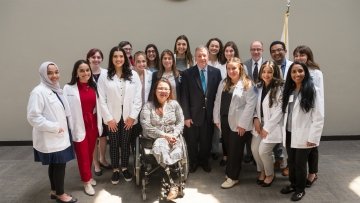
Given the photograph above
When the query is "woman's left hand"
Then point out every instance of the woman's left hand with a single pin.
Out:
(171, 139)
(310, 144)
(129, 122)
(241, 131)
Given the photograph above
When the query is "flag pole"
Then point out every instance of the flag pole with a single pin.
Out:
(285, 33)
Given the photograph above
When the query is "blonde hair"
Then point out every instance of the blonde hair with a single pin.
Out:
(243, 77)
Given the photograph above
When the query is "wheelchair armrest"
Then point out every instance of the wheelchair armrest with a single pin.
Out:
(146, 142)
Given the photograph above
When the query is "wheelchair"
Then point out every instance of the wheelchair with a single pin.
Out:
(146, 165)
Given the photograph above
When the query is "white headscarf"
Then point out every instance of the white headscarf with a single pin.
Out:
(44, 79)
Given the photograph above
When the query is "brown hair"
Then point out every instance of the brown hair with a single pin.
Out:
(243, 77)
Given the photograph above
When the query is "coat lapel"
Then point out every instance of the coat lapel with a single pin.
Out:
(196, 76)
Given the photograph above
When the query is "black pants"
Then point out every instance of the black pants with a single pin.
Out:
(236, 144)
(297, 160)
(313, 160)
(56, 174)
(225, 133)
(198, 140)
(120, 138)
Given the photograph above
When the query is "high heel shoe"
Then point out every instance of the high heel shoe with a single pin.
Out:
(173, 193)
(268, 184)
(309, 183)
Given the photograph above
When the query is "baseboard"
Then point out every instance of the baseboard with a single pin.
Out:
(323, 138)
(16, 143)
(340, 137)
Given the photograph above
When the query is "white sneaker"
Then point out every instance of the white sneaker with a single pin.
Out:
(93, 182)
(89, 190)
(229, 183)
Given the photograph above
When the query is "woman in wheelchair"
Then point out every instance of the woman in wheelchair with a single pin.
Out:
(163, 120)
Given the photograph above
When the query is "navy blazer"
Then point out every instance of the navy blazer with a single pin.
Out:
(196, 104)
(155, 78)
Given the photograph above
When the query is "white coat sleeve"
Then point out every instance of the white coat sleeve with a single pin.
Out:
(35, 115)
(136, 106)
(216, 111)
(317, 123)
(105, 113)
(248, 113)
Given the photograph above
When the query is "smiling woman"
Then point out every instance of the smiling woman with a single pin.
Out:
(81, 92)
(48, 112)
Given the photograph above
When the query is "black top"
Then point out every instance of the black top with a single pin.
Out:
(226, 97)
(263, 95)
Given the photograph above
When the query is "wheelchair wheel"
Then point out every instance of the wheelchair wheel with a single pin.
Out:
(137, 164)
(143, 190)
(185, 161)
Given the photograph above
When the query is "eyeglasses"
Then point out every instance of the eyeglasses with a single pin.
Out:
(276, 50)
(256, 50)
(162, 89)
(127, 49)
(150, 51)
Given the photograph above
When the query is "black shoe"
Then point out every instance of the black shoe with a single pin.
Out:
(98, 173)
(193, 168)
(53, 196)
(115, 177)
(268, 184)
(297, 196)
(259, 182)
(214, 156)
(309, 183)
(206, 168)
(223, 162)
(127, 175)
(248, 159)
(106, 166)
(288, 189)
(73, 200)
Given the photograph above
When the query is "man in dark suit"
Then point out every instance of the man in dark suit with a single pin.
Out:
(199, 86)
(256, 51)
(253, 67)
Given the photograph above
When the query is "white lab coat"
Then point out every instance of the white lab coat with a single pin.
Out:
(272, 117)
(71, 92)
(147, 84)
(47, 115)
(242, 106)
(305, 127)
(110, 99)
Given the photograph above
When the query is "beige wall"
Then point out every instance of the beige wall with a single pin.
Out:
(63, 31)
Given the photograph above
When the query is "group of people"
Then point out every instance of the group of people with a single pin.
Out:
(258, 104)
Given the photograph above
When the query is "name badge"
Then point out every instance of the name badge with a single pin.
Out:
(291, 98)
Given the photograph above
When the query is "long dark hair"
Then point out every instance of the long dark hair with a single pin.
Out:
(302, 49)
(307, 90)
(91, 82)
(155, 100)
(236, 51)
(188, 55)
(220, 54)
(275, 84)
(126, 71)
(162, 68)
(157, 57)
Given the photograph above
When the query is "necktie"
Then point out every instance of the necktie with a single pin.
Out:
(255, 73)
(283, 71)
(203, 82)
